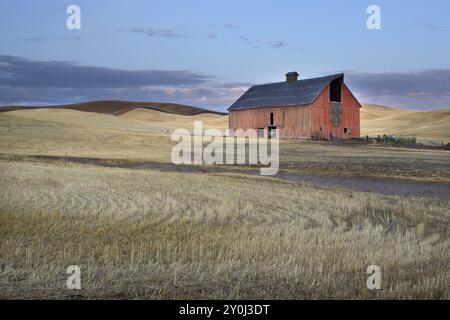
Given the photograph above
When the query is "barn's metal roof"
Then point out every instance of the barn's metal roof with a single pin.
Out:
(281, 94)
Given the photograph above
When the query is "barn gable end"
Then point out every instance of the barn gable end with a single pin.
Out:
(302, 109)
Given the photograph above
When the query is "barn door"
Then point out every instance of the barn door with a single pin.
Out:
(335, 113)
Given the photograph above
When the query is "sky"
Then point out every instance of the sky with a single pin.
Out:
(206, 53)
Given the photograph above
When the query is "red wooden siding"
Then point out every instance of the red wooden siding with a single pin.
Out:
(320, 115)
(303, 121)
(293, 122)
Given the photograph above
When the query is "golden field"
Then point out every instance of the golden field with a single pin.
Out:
(429, 126)
(152, 234)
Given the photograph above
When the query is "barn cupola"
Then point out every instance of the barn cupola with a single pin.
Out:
(292, 76)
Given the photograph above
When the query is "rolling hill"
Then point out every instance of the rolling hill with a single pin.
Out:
(428, 125)
(171, 120)
(117, 107)
(149, 117)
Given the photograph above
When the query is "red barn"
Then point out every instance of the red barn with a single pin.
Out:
(312, 108)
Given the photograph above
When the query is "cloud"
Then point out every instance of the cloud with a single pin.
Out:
(42, 39)
(421, 89)
(233, 30)
(31, 82)
(160, 33)
(430, 26)
(20, 72)
(32, 39)
(26, 81)
(260, 43)
(218, 98)
(237, 86)
(211, 35)
(231, 26)
(214, 33)
(246, 40)
(276, 44)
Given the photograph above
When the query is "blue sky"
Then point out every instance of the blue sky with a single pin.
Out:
(206, 53)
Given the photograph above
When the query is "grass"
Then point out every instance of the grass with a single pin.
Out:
(75, 133)
(144, 234)
(162, 235)
(430, 126)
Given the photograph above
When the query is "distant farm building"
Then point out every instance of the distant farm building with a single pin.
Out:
(322, 108)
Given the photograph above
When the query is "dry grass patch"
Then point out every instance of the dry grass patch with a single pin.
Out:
(86, 134)
(428, 125)
(144, 234)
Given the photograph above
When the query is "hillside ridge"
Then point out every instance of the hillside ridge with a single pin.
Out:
(118, 107)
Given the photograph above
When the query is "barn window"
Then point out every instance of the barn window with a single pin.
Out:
(348, 130)
(271, 119)
(345, 130)
(335, 90)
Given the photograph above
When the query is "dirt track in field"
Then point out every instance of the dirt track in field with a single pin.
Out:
(392, 187)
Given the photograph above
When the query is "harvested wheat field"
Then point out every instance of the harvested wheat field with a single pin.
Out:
(430, 126)
(170, 121)
(99, 191)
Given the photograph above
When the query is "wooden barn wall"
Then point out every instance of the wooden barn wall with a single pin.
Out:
(293, 122)
(320, 115)
(303, 121)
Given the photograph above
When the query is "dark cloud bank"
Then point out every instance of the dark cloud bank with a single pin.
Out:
(25, 81)
(19, 72)
(423, 89)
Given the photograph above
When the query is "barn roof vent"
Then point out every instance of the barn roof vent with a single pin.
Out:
(292, 76)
